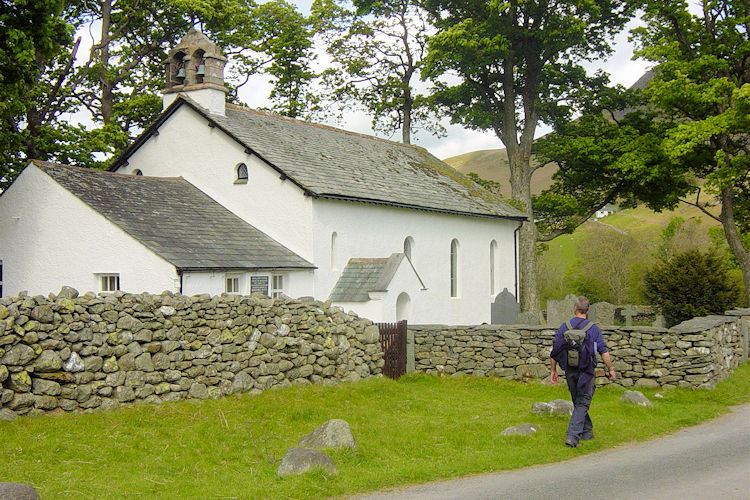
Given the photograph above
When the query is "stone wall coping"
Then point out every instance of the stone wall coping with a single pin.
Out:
(488, 328)
(532, 328)
(644, 329)
(740, 311)
(696, 325)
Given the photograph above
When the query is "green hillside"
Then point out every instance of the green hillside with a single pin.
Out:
(605, 259)
(492, 164)
(626, 242)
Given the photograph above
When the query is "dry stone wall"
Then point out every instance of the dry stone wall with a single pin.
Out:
(697, 353)
(70, 353)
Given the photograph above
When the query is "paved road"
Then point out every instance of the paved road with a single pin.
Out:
(708, 461)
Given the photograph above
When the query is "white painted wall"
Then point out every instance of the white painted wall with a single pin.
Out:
(296, 283)
(207, 158)
(374, 231)
(214, 100)
(50, 238)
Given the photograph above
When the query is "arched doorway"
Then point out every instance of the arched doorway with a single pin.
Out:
(403, 307)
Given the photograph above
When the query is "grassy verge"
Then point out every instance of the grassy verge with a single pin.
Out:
(417, 429)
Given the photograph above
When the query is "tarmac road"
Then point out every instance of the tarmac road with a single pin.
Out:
(708, 461)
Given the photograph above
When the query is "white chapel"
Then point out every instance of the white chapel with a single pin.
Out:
(216, 198)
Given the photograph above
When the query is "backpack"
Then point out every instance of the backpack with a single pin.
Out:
(574, 338)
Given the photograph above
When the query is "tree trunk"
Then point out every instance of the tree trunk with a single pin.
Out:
(520, 182)
(406, 126)
(733, 238)
(105, 83)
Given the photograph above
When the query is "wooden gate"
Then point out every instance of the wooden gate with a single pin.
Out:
(393, 340)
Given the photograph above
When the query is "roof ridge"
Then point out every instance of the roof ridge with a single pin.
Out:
(52, 164)
(271, 114)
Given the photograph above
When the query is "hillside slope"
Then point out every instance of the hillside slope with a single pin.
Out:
(492, 164)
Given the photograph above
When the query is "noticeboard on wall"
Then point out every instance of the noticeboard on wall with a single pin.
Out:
(259, 284)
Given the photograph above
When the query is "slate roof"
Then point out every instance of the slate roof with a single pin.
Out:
(331, 163)
(361, 276)
(175, 220)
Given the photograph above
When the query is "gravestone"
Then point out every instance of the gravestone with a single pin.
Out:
(527, 318)
(504, 309)
(560, 311)
(602, 313)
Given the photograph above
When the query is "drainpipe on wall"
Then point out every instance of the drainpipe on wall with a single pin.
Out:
(179, 273)
(515, 255)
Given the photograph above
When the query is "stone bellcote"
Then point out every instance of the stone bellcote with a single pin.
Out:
(195, 67)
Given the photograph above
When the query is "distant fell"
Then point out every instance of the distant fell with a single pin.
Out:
(492, 164)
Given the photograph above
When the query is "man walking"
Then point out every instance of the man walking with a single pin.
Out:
(581, 379)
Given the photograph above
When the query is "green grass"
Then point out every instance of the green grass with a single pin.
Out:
(417, 429)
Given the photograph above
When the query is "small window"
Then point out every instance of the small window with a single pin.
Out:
(233, 284)
(454, 268)
(278, 285)
(241, 174)
(109, 282)
(137, 171)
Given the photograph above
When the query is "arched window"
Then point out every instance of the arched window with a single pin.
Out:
(454, 268)
(333, 250)
(493, 267)
(137, 171)
(409, 248)
(241, 174)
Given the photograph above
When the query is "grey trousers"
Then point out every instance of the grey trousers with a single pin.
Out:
(580, 423)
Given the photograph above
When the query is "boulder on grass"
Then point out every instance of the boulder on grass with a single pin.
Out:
(635, 397)
(561, 407)
(299, 460)
(520, 430)
(332, 434)
(541, 409)
(17, 491)
(556, 407)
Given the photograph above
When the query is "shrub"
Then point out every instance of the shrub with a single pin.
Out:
(689, 284)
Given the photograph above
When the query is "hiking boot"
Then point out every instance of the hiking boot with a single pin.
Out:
(571, 442)
(586, 436)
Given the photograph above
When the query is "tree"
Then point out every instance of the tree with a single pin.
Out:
(377, 52)
(604, 156)
(701, 86)
(517, 64)
(689, 284)
(608, 265)
(116, 86)
(280, 44)
(683, 134)
(31, 34)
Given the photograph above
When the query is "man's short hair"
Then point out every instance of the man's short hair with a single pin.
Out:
(582, 304)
